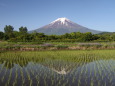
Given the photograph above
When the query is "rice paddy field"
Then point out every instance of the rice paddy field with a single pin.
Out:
(58, 68)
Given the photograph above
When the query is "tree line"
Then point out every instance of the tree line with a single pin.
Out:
(22, 35)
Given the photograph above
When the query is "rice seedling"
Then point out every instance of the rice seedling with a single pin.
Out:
(58, 68)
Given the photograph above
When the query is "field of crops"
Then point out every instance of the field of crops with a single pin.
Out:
(58, 68)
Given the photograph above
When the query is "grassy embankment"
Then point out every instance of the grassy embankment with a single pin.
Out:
(32, 46)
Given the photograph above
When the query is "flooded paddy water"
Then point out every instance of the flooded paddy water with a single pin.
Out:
(58, 68)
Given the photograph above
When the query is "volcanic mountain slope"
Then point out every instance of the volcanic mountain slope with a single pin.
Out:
(63, 25)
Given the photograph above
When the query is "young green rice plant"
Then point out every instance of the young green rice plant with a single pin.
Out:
(22, 76)
(2, 78)
(28, 75)
(30, 83)
(9, 78)
(44, 67)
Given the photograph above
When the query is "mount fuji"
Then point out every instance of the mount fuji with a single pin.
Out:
(63, 25)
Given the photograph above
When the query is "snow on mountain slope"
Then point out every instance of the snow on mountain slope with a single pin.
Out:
(62, 20)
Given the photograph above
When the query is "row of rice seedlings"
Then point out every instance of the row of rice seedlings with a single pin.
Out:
(32, 72)
(37, 74)
(82, 71)
(3, 73)
(95, 71)
(9, 78)
(111, 74)
(15, 78)
(22, 75)
(6, 77)
(1, 68)
(28, 74)
(102, 70)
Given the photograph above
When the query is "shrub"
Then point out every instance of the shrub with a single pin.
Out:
(87, 45)
(62, 46)
(46, 45)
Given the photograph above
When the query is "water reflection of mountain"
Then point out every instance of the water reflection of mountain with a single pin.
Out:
(61, 67)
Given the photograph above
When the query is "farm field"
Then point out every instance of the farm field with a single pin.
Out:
(57, 68)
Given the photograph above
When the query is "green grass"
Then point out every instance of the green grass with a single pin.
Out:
(36, 46)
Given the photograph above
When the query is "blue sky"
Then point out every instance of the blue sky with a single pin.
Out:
(94, 14)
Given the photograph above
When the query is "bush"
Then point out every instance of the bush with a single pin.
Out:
(62, 46)
(46, 45)
(87, 45)
(9, 47)
(29, 43)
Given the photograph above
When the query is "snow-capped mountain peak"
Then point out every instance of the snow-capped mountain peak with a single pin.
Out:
(62, 20)
(63, 25)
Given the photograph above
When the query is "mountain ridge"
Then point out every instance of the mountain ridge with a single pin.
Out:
(63, 25)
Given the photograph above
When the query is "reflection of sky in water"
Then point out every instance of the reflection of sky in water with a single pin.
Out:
(59, 73)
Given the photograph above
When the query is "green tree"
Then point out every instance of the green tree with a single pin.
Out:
(66, 35)
(113, 37)
(23, 30)
(87, 36)
(8, 29)
(8, 32)
(1, 35)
